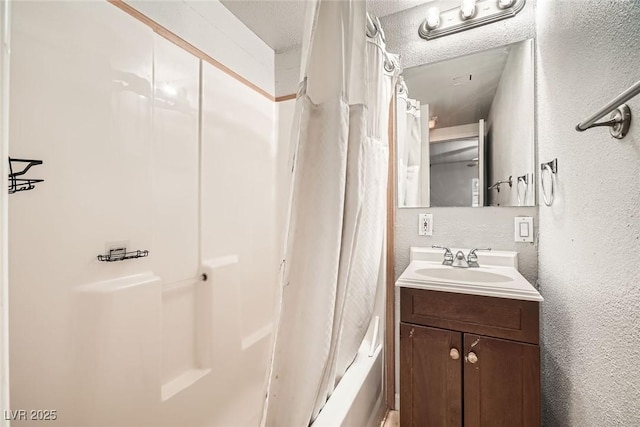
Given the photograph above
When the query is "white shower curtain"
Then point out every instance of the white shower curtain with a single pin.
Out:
(409, 148)
(368, 249)
(338, 172)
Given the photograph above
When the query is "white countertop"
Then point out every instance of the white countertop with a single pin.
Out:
(512, 285)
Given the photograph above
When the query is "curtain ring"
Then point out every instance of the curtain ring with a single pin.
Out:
(548, 200)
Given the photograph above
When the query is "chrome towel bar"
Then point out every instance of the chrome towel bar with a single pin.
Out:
(621, 114)
(497, 185)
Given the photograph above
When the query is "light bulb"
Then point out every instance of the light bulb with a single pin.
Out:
(503, 4)
(433, 18)
(468, 9)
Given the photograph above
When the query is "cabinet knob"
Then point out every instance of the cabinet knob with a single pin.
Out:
(454, 353)
(472, 357)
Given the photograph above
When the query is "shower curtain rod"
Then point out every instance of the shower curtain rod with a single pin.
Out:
(621, 118)
(372, 30)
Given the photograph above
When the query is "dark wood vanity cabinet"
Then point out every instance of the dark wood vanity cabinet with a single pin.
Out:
(467, 360)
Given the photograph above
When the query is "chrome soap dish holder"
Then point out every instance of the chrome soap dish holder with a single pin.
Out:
(17, 182)
(120, 254)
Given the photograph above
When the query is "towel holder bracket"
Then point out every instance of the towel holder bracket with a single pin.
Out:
(619, 122)
(553, 165)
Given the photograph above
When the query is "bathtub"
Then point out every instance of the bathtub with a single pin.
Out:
(358, 400)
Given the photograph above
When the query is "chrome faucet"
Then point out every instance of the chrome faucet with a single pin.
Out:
(472, 258)
(448, 255)
(460, 260)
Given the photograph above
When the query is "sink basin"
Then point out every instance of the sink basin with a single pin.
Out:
(497, 276)
(463, 275)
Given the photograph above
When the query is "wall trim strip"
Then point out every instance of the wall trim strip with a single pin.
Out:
(286, 97)
(390, 326)
(180, 42)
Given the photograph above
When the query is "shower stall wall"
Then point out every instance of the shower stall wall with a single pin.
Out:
(147, 146)
(144, 146)
(4, 229)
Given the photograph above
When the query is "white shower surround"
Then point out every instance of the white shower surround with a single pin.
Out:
(5, 29)
(130, 297)
(210, 26)
(358, 399)
(92, 347)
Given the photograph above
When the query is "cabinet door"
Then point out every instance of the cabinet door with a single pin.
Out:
(430, 377)
(501, 383)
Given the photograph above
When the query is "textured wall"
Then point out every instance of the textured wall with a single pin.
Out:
(511, 125)
(459, 226)
(588, 52)
(462, 227)
(401, 30)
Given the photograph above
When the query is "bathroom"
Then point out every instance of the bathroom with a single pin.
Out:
(174, 137)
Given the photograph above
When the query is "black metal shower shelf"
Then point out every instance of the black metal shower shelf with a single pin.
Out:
(22, 184)
(120, 254)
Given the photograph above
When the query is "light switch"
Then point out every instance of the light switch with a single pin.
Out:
(425, 224)
(523, 228)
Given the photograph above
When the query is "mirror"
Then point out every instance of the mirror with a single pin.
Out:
(465, 130)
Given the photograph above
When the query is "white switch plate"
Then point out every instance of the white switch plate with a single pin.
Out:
(523, 229)
(425, 224)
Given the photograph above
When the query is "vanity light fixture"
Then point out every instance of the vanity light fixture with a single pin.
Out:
(470, 14)
(467, 9)
(433, 18)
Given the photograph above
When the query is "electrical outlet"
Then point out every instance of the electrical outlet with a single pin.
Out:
(425, 224)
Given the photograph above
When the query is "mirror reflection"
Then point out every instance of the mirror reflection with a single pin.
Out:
(465, 130)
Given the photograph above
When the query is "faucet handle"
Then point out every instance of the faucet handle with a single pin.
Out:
(448, 255)
(472, 258)
(446, 250)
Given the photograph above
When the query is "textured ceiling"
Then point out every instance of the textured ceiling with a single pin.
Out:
(279, 22)
(455, 105)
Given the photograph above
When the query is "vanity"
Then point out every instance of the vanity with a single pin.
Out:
(469, 329)
(469, 342)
